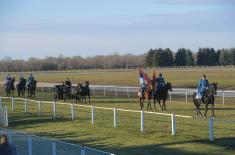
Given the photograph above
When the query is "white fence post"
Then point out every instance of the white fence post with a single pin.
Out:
(39, 108)
(83, 151)
(53, 148)
(223, 96)
(0, 101)
(72, 111)
(104, 91)
(29, 145)
(6, 116)
(116, 92)
(115, 117)
(49, 89)
(127, 90)
(186, 96)
(12, 104)
(92, 115)
(54, 109)
(211, 129)
(94, 90)
(25, 105)
(173, 124)
(42, 89)
(142, 121)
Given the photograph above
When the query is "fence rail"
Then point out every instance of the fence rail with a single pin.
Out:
(30, 144)
(115, 113)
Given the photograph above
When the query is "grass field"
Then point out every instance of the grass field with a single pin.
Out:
(179, 78)
(191, 138)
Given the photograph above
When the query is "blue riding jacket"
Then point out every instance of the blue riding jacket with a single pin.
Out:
(160, 82)
(202, 86)
(30, 79)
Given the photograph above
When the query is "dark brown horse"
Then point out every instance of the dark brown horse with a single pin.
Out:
(9, 88)
(146, 95)
(162, 95)
(207, 98)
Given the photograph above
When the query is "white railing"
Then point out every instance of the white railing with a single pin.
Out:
(115, 113)
(26, 143)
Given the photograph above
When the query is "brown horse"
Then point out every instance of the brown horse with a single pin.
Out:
(146, 95)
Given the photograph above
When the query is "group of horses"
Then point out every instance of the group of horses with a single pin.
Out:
(151, 93)
(81, 91)
(21, 87)
(74, 94)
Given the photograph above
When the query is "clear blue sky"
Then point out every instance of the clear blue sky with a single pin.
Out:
(39, 28)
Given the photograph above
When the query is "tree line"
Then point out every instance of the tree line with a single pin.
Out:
(185, 57)
(153, 58)
(114, 61)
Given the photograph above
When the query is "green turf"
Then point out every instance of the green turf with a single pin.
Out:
(179, 78)
(191, 138)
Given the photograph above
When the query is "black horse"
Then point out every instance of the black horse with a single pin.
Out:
(162, 95)
(32, 88)
(85, 91)
(9, 87)
(59, 92)
(21, 87)
(65, 92)
(207, 98)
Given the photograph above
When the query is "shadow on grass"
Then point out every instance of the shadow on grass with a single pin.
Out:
(227, 144)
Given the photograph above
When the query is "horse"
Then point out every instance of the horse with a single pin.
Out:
(146, 95)
(21, 87)
(32, 88)
(9, 88)
(59, 92)
(207, 98)
(162, 95)
(85, 91)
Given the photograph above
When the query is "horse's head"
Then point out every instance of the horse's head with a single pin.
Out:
(168, 86)
(214, 85)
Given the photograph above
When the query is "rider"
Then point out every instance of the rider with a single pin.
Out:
(8, 79)
(68, 83)
(160, 82)
(202, 85)
(142, 83)
(30, 79)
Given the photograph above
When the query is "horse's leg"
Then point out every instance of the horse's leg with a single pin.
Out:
(212, 109)
(164, 104)
(150, 104)
(141, 103)
(212, 105)
(199, 110)
(89, 98)
(206, 109)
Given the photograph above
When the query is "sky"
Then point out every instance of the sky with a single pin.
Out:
(40, 28)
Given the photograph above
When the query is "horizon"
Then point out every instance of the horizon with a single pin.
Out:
(43, 28)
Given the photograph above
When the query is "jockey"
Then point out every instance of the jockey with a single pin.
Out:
(142, 84)
(202, 85)
(68, 83)
(8, 79)
(160, 82)
(30, 79)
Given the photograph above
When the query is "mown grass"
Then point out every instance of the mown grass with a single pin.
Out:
(179, 78)
(191, 138)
